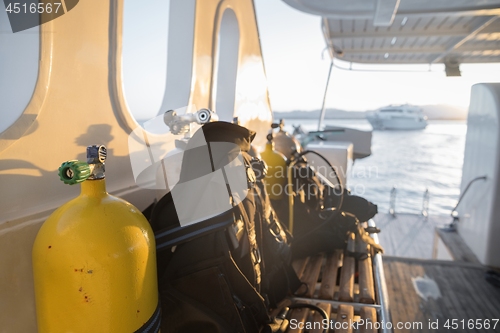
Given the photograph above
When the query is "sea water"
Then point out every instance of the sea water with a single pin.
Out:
(411, 161)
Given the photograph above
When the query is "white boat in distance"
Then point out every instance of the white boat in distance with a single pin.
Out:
(397, 117)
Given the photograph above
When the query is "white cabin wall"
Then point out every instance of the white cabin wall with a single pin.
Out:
(479, 210)
(78, 101)
(74, 107)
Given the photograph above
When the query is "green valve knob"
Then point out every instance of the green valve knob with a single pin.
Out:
(74, 172)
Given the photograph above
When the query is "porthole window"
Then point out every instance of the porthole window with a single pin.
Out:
(227, 65)
(157, 55)
(19, 61)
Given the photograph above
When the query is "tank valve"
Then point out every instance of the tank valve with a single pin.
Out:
(179, 124)
(74, 172)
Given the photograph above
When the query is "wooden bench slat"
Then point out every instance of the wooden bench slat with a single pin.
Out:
(346, 287)
(345, 313)
(311, 274)
(329, 276)
(365, 279)
(368, 314)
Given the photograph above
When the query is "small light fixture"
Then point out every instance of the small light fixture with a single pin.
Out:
(452, 67)
(386, 55)
(405, 19)
(393, 41)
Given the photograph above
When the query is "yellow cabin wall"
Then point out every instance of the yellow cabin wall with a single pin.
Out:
(79, 101)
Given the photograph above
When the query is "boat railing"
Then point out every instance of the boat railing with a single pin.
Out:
(454, 210)
(392, 206)
(380, 286)
(425, 203)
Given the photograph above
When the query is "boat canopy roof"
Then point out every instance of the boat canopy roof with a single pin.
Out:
(409, 31)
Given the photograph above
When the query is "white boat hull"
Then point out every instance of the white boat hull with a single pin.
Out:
(398, 117)
(397, 123)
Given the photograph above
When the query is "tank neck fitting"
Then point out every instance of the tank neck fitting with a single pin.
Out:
(96, 158)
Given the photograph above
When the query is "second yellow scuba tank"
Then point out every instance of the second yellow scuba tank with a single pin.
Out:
(277, 170)
(279, 155)
(284, 142)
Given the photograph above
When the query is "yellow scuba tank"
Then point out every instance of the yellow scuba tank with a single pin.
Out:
(285, 143)
(94, 260)
(279, 155)
(277, 170)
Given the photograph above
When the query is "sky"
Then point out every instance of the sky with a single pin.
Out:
(297, 69)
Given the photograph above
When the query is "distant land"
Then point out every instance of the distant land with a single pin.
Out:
(433, 112)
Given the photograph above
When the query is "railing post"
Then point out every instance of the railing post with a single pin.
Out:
(392, 207)
(425, 204)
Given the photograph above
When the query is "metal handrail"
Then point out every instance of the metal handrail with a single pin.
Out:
(392, 207)
(425, 204)
(465, 191)
(381, 287)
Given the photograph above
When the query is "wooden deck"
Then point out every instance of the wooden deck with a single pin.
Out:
(462, 294)
(424, 293)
